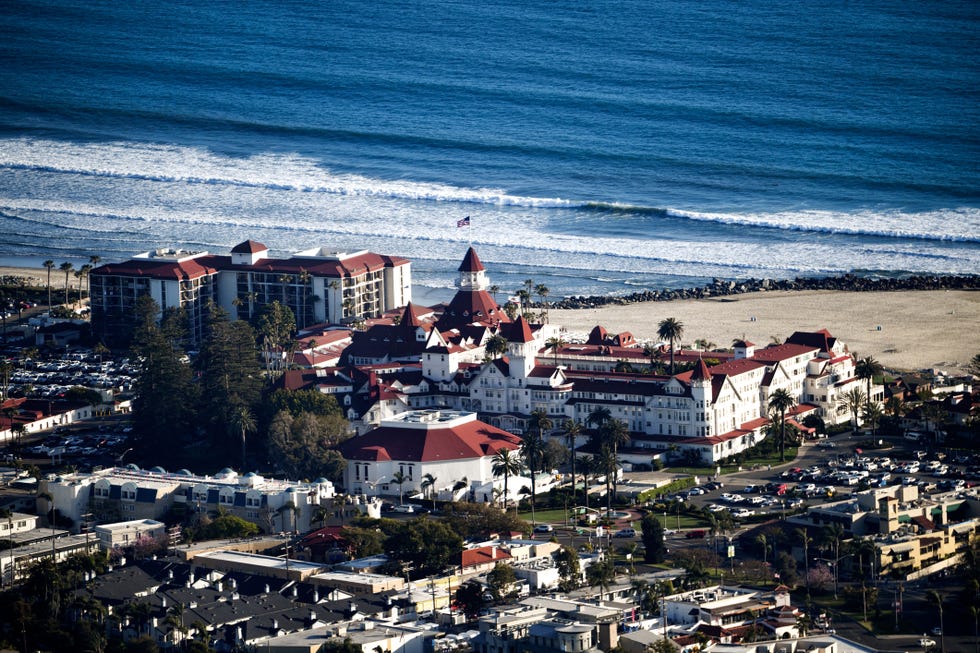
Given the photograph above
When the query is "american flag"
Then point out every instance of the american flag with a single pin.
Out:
(465, 222)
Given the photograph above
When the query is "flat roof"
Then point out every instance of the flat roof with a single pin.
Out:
(256, 560)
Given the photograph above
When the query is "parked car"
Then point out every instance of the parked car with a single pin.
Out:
(695, 534)
(544, 528)
(925, 642)
(625, 532)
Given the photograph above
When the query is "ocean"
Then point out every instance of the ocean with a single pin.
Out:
(598, 148)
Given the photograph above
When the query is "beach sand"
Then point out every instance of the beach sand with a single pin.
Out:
(931, 329)
(927, 329)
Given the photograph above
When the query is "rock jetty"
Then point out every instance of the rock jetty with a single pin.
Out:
(723, 288)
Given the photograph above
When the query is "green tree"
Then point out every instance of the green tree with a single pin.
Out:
(230, 376)
(67, 268)
(853, 401)
(569, 568)
(572, 431)
(555, 344)
(49, 265)
(302, 446)
(532, 448)
(165, 395)
(226, 526)
(779, 402)
(500, 580)
(274, 328)
(601, 574)
(480, 520)
(652, 534)
(505, 463)
(297, 402)
(867, 368)
(671, 330)
(425, 545)
(242, 421)
(400, 478)
(613, 434)
(495, 346)
(429, 488)
(470, 599)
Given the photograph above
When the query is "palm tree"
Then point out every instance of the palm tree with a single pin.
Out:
(599, 416)
(872, 415)
(429, 488)
(833, 536)
(496, 345)
(762, 541)
(243, 421)
(934, 597)
(304, 279)
(652, 352)
(606, 464)
(852, 401)
(505, 463)
(868, 368)
(779, 402)
(85, 275)
(614, 433)
(672, 330)
(555, 344)
(532, 448)
(49, 265)
(572, 430)
(67, 268)
(493, 290)
(400, 478)
(461, 484)
(806, 540)
(542, 291)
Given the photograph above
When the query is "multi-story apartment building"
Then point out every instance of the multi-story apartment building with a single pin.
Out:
(316, 284)
(130, 493)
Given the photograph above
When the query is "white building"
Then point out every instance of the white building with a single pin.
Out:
(127, 533)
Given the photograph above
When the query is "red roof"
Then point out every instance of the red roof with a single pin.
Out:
(519, 331)
(482, 555)
(187, 269)
(785, 351)
(468, 306)
(249, 247)
(471, 262)
(473, 439)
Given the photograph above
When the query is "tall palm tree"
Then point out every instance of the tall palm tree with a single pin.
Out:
(304, 279)
(853, 401)
(598, 416)
(461, 484)
(779, 402)
(243, 422)
(934, 597)
(542, 291)
(806, 540)
(532, 448)
(400, 478)
(606, 464)
(872, 415)
(555, 344)
(613, 434)
(672, 330)
(762, 541)
(86, 269)
(572, 430)
(505, 463)
(867, 368)
(429, 488)
(67, 268)
(495, 346)
(49, 265)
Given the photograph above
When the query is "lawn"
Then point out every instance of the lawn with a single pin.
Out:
(758, 461)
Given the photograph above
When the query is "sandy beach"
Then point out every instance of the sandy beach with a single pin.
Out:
(918, 329)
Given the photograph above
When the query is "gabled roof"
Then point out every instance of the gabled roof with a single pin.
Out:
(701, 372)
(471, 262)
(469, 306)
(482, 555)
(821, 339)
(785, 351)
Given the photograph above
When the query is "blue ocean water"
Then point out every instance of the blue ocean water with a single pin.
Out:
(598, 148)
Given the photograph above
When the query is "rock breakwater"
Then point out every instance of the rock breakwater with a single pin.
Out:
(727, 288)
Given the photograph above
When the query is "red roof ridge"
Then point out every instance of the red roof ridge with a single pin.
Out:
(249, 247)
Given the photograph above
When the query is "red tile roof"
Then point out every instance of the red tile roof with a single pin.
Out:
(187, 269)
(482, 555)
(785, 351)
(249, 247)
(471, 262)
(468, 306)
(473, 439)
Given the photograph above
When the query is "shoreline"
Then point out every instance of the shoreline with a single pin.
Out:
(934, 324)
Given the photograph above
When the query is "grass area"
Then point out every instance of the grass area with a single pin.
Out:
(756, 461)
(546, 516)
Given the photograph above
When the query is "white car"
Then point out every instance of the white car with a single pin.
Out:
(925, 642)
(743, 513)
